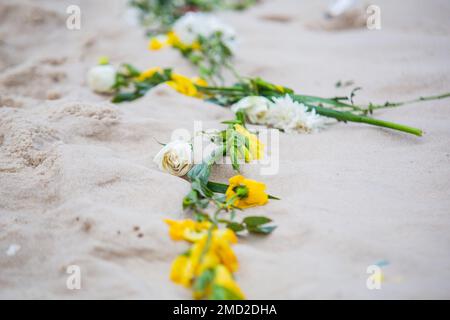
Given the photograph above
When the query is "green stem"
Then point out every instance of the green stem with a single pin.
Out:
(334, 102)
(221, 89)
(401, 103)
(350, 117)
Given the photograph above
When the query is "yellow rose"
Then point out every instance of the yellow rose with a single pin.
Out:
(246, 192)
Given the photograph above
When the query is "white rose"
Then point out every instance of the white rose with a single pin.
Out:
(254, 107)
(175, 158)
(101, 78)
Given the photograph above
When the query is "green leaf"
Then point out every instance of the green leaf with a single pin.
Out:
(236, 227)
(203, 281)
(262, 229)
(222, 293)
(217, 187)
(126, 96)
(190, 200)
(201, 188)
(256, 221)
(131, 70)
(200, 171)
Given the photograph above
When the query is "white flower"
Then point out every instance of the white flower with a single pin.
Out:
(175, 158)
(291, 116)
(101, 78)
(194, 24)
(13, 249)
(254, 107)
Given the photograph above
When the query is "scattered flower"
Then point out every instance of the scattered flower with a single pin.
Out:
(102, 78)
(183, 85)
(245, 193)
(188, 230)
(210, 252)
(291, 116)
(157, 43)
(12, 250)
(175, 158)
(254, 107)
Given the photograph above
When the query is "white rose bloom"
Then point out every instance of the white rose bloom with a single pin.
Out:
(175, 158)
(291, 116)
(101, 78)
(254, 107)
(194, 24)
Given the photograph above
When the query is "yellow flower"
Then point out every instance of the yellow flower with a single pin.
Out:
(199, 82)
(182, 271)
(174, 41)
(172, 38)
(222, 240)
(196, 45)
(188, 230)
(210, 248)
(155, 44)
(224, 279)
(254, 149)
(248, 193)
(183, 85)
(147, 74)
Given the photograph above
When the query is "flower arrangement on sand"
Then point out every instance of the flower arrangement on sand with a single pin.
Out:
(208, 265)
(258, 100)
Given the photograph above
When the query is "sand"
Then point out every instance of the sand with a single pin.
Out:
(78, 185)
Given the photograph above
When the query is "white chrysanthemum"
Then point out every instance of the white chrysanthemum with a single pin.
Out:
(175, 158)
(101, 78)
(291, 116)
(194, 24)
(254, 107)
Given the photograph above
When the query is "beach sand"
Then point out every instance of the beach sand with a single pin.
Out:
(78, 185)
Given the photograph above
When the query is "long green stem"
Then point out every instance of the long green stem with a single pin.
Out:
(350, 117)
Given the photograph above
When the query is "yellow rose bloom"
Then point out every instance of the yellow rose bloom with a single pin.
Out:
(174, 41)
(183, 85)
(182, 271)
(223, 278)
(196, 46)
(147, 74)
(222, 240)
(255, 148)
(199, 82)
(188, 230)
(156, 43)
(247, 193)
